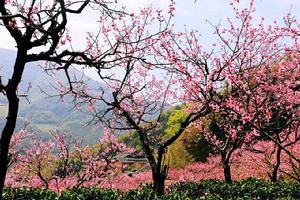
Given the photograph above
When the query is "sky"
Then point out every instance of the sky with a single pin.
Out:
(189, 15)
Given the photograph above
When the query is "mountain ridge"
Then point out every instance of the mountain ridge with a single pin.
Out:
(44, 113)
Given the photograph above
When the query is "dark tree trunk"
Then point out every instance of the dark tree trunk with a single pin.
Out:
(226, 168)
(274, 175)
(158, 183)
(6, 136)
(227, 172)
(11, 119)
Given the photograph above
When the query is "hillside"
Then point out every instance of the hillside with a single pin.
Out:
(44, 113)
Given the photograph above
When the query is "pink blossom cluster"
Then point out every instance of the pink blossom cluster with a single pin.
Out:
(61, 163)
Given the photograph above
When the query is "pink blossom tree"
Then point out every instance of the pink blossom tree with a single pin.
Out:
(166, 68)
(249, 88)
(272, 156)
(40, 31)
(136, 96)
(263, 89)
(62, 162)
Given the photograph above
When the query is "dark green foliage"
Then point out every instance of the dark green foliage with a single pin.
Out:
(245, 189)
(198, 148)
(28, 194)
(89, 193)
(250, 189)
(217, 131)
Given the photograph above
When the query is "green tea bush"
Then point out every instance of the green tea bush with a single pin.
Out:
(28, 194)
(249, 189)
(245, 189)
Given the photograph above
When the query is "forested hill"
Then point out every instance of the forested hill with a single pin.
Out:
(44, 113)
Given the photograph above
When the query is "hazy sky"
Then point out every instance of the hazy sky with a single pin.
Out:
(189, 14)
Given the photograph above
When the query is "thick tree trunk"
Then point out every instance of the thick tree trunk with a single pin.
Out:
(158, 183)
(226, 168)
(11, 119)
(6, 136)
(227, 173)
(274, 175)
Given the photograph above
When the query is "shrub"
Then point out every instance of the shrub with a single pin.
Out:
(249, 189)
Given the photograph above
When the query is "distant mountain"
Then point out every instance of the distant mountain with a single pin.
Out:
(44, 113)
